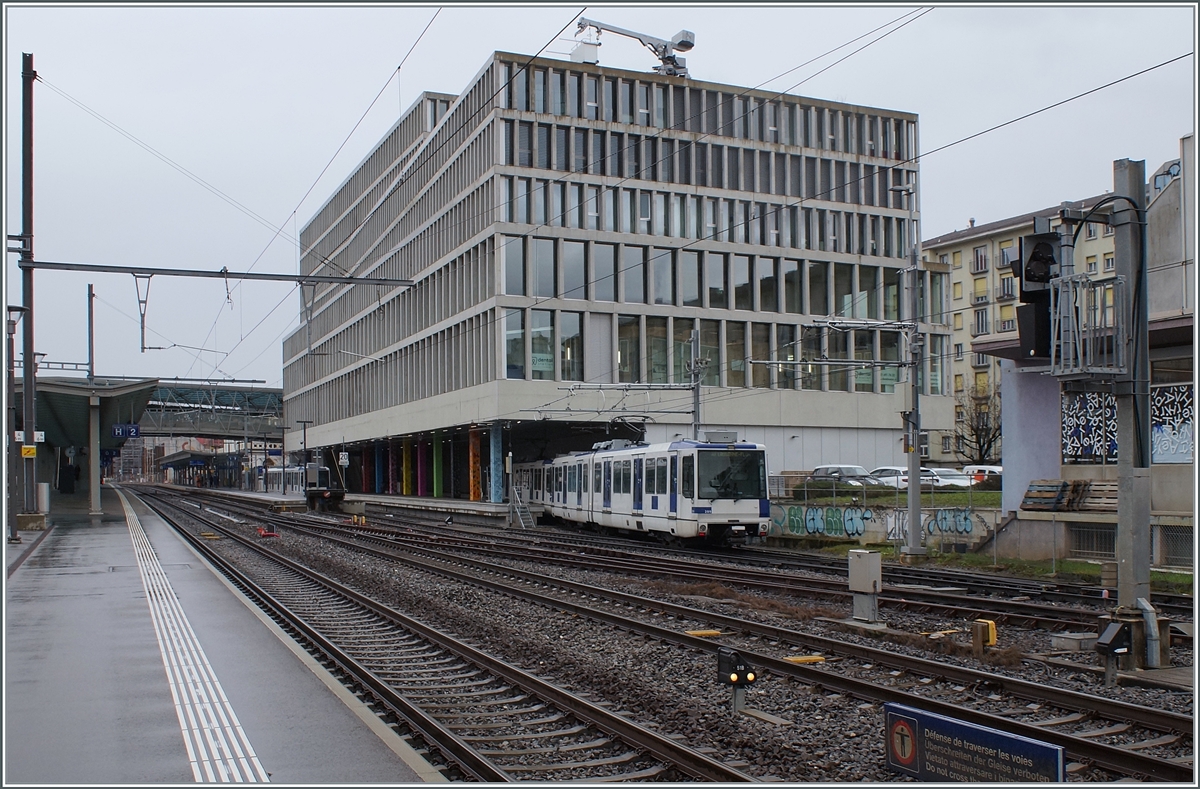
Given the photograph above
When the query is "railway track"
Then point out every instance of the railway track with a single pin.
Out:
(494, 721)
(1081, 723)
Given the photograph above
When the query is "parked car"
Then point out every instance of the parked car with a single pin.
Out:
(980, 473)
(951, 478)
(851, 475)
(897, 476)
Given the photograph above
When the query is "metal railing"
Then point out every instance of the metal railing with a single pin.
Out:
(1085, 335)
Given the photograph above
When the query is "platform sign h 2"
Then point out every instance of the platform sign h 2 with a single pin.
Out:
(932, 747)
(126, 431)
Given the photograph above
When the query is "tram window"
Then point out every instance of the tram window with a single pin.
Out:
(689, 476)
(674, 476)
(570, 479)
(625, 478)
(598, 478)
(649, 480)
(661, 473)
(583, 477)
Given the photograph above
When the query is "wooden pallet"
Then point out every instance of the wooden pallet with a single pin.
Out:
(1077, 490)
(1101, 496)
(1046, 495)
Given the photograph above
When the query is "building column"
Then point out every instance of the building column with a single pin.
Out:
(496, 451)
(378, 467)
(94, 456)
(391, 486)
(437, 467)
(422, 468)
(407, 489)
(473, 467)
(364, 469)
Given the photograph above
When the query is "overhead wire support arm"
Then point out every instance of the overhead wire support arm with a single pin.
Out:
(139, 271)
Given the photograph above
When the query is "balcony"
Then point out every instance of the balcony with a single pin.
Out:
(980, 360)
(979, 264)
(1006, 292)
(979, 331)
(979, 298)
(1007, 325)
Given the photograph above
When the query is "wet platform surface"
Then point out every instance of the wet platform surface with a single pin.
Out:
(129, 660)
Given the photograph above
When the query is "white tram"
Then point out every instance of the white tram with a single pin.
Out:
(680, 491)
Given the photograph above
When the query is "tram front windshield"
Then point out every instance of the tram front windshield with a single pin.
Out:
(732, 474)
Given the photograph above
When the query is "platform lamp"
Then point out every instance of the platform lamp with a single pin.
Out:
(14, 536)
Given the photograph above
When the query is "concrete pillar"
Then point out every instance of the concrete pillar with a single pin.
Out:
(391, 486)
(94, 456)
(437, 468)
(408, 468)
(496, 456)
(378, 467)
(473, 465)
(422, 468)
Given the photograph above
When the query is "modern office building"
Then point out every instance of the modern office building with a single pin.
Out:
(983, 300)
(568, 228)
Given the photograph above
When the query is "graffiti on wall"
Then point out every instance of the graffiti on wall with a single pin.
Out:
(802, 521)
(1171, 424)
(1089, 426)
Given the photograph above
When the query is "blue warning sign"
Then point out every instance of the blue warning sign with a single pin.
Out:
(932, 747)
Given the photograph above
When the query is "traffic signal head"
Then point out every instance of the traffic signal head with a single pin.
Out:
(1037, 265)
(732, 668)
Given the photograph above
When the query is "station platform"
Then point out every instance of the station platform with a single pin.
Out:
(128, 660)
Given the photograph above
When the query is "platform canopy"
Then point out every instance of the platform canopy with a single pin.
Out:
(63, 407)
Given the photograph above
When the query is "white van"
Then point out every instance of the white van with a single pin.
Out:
(980, 473)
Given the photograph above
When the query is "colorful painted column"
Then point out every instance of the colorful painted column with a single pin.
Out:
(379, 467)
(497, 457)
(407, 473)
(391, 486)
(422, 468)
(437, 468)
(473, 460)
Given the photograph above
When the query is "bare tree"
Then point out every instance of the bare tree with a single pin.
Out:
(977, 426)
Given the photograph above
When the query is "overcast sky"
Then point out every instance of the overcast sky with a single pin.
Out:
(256, 102)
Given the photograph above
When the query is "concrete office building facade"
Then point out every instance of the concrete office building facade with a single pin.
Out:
(568, 225)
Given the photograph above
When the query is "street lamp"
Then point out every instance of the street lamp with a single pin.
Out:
(915, 344)
(14, 536)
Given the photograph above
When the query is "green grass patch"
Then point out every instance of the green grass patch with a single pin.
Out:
(1066, 570)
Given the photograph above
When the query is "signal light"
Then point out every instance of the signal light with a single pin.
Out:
(733, 669)
(1037, 264)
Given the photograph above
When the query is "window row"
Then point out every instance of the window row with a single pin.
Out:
(599, 152)
(550, 268)
(582, 94)
(645, 212)
(550, 345)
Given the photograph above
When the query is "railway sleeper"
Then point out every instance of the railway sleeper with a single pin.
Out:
(1074, 717)
(493, 714)
(581, 746)
(624, 758)
(529, 735)
(640, 775)
(1119, 728)
(475, 703)
(1166, 739)
(505, 723)
(417, 693)
(449, 685)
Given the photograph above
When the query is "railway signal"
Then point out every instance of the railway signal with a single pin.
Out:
(1033, 269)
(733, 669)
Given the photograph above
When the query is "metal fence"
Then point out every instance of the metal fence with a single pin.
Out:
(1093, 541)
(1173, 545)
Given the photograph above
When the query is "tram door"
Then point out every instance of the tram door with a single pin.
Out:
(673, 489)
(608, 486)
(638, 476)
(580, 484)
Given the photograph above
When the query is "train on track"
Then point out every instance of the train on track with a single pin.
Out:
(688, 492)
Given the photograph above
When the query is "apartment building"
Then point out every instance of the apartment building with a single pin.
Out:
(569, 228)
(982, 305)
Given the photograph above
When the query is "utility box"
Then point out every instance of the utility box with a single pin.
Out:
(720, 436)
(866, 571)
(312, 475)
